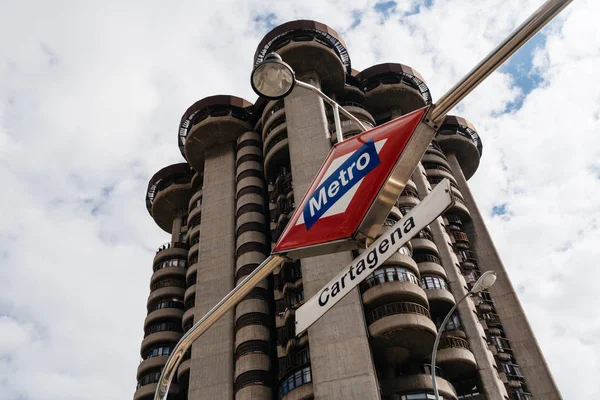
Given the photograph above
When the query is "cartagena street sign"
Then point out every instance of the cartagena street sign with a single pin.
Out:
(348, 184)
(439, 200)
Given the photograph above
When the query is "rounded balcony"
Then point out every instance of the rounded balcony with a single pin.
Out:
(429, 264)
(455, 357)
(309, 46)
(168, 292)
(210, 122)
(168, 194)
(188, 318)
(150, 364)
(253, 326)
(195, 213)
(252, 378)
(277, 153)
(423, 242)
(404, 325)
(411, 378)
(170, 251)
(438, 293)
(195, 201)
(296, 385)
(163, 314)
(256, 361)
(198, 180)
(353, 88)
(403, 261)
(172, 272)
(390, 87)
(458, 136)
(409, 197)
(147, 391)
(252, 392)
(392, 284)
(274, 124)
(159, 338)
(438, 170)
(460, 208)
(189, 293)
(271, 108)
(429, 158)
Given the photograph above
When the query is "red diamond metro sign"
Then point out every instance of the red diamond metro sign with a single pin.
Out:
(344, 192)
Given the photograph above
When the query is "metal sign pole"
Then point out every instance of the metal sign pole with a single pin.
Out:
(226, 304)
(433, 118)
(495, 58)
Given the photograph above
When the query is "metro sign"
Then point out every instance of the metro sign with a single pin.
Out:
(345, 190)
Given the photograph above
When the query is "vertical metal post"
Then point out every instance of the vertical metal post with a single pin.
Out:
(338, 124)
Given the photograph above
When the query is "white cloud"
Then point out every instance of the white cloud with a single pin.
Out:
(90, 98)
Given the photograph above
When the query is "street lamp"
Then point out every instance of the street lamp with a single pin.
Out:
(486, 280)
(274, 79)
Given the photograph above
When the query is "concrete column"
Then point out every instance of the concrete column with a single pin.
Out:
(492, 386)
(527, 351)
(341, 361)
(176, 231)
(211, 373)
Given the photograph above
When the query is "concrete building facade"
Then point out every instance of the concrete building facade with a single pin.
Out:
(227, 204)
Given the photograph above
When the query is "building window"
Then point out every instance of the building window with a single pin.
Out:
(159, 351)
(433, 282)
(389, 274)
(295, 380)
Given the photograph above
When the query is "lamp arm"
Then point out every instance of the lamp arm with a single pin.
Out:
(437, 342)
(332, 102)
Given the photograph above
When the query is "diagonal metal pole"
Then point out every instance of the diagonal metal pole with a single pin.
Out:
(226, 304)
(434, 118)
(494, 59)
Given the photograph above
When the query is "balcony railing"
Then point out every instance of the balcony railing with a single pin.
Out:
(502, 344)
(396, 308)
(460, 236)
(296, 359)
(280, 137)
(454, 343)
(395, 78)
(419, 258)
(168, 283)
(255, 377)
(172, 245)
(255, 318)
(436, 166)
(520, 395)
(252, 347)
(388, 274)
(409, 192)
(173, 262)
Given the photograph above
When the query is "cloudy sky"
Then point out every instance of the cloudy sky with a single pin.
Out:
(90, 98)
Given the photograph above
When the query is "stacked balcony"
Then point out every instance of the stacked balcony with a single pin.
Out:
(458, 136)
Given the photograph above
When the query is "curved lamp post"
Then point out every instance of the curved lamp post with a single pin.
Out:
(486, 280)
(274, 79)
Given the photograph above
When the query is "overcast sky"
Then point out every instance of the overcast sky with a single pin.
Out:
(91, 94)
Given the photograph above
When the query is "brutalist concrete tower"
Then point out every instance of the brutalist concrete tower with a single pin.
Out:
(227, 204)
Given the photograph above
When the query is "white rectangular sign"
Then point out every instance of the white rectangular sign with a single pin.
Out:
(438, 201)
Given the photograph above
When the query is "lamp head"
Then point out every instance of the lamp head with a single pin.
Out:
(273, 79)
(486, 280)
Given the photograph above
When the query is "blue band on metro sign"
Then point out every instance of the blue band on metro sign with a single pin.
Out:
(346, 176)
